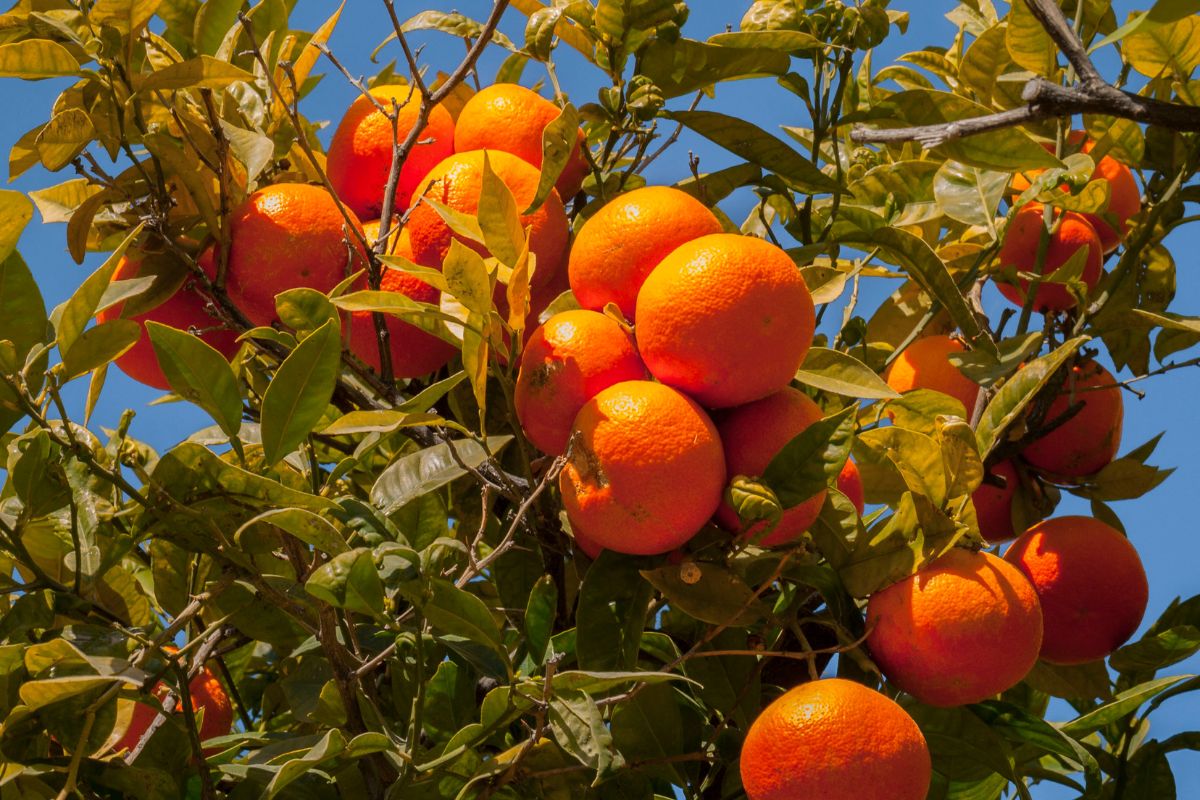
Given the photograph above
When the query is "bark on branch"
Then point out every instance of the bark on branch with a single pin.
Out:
(1047, 100)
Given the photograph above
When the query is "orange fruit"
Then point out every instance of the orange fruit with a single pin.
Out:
(621, 243)
(1091, 584)
(646, 470)
(360, 154)
(1088, 441)
(567, 362)
(511, 118)
(1022, 240)
(964, 628)
(185, 310)
(1124, 197)
(456, 182)
(587, 546)
(725, 318)
(849, 483)
(754, 434)
(994, 504)
(925, 364)
(286, 236)
(414, 352)
(205, 691)
(834, 739)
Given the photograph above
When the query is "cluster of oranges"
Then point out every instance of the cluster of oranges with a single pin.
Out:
(674, 374)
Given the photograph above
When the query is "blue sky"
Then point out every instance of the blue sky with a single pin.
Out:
(1162, 525)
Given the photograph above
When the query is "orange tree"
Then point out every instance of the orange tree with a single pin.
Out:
(753, 521)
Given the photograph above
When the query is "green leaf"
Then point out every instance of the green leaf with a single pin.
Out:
(329, 747)
(414, 475)
(1157, 650)
(39, 694)
(99, 345)
(1028, 43)
(708, 592)
(1009, 403)
(1124, 703)
(378, 421)
(610, 617)
(540, 613)
(1123, 479)
(22, 310)
(969, 194)
(1076, 682)
(651, 727)
(15, 213)
(1155, 48)
(1021, 727)
(558, 143)
(34, 59)
(299, 394)
(580, 730)
(54, 203)
(212, 21)
(202, 72)
(467, 278)
(452, 610)
(349, 580)
(841, 373)
(198, 373)
(72, 317)
(305, 310)
(755, 145)
(128, 16)
(304, 525)
(686, 65)
(812, 460)
(501, 227)
(63, 138)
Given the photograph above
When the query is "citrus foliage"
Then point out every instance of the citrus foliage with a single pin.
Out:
(380, 572)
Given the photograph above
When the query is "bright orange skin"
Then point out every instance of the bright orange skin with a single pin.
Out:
(1020, 253)
(1124, 197)
(206, 693)
(567, 362)
(646, 470)
(993, 504)
(286, 236)
(725, 318)
(457, 181)
(1091, 583)
(961, 630)
(925, 364)
(508, 117)
(849, 483)
(754, 434)
(360, 154)
(1088, 441)
(184, 310)
(626, 239)
(834, 739)
(414, 352)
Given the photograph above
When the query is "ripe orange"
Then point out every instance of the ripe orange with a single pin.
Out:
(725, 318)
(1088, 441)
(457, 181)
(849, 483)
(646, 470)
(567, 362)
(508, 117)
(1091, 584)
(834, 739)
(625, 240)
(753, 434)
(994, 504)
(360, 155)
(185, 310)
(286, 236)
(414, 352)
(1022, 240)
(1124, 197)
(925, 364)
(206, 693)
(589, 548)
(964, 628)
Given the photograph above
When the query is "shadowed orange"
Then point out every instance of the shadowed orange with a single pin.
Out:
(1019, 253)
(205, 691)
(834, 739)
(849, 483)
(646, 469)
(1088, 441)
(964, 628)
(1091, 584)
(994, 504)
(725, 318)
